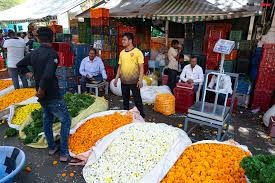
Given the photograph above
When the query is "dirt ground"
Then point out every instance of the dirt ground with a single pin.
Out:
(247, 129)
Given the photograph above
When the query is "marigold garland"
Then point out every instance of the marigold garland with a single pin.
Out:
(208, 163)
(94, 129)
(16, 96)
(5, 84)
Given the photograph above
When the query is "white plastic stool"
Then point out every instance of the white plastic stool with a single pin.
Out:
(96, 87)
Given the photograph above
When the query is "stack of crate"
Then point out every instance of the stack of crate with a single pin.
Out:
(112, 62)
(214, 32)
(66, 79)
(199, 31)
(244, 89)
(255, 62)
(84, 31)
(66, 56)
(188, 39)
(80, 51)
(246, 48)
(265, 83)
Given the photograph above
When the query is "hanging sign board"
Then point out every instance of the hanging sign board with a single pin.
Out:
(224, 46)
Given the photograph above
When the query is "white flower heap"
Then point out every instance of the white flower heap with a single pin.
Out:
(133, 154)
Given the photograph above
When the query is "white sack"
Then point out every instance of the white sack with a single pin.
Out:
(268, 114)
(149, 93)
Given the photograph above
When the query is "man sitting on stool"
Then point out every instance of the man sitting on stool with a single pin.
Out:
(225, 86)
(192, 73)
(92, 70)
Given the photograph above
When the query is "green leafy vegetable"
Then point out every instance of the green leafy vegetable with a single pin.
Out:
(260, 168)
(10, 132)
(75, 103)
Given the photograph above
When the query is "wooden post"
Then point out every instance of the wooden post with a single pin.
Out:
(166, 33)
(250, 29)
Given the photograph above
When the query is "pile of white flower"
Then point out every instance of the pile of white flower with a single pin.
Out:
(133, 154)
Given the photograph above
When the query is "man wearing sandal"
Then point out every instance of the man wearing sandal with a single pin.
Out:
(44, 62)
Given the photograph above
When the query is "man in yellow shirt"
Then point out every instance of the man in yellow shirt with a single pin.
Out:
(130, 71)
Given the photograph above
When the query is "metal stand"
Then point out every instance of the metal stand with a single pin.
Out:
(211, 114)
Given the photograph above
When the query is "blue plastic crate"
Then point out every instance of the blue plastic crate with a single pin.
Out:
(63, 91)
(68, 83)
(81, 50)
(64, 72)
(153, 64)
(253, 72)
(255, 60)
(244, 86)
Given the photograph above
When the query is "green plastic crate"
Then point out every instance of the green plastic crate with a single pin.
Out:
(229, 66)
(36, 45)
(247, 45)
(113, 62)
(236, 35)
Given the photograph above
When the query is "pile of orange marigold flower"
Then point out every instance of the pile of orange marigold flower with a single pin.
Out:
(94, 129)
(5, 84)
(208, 163)
(16, 96)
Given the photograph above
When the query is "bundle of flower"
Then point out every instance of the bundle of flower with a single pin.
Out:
(16, 96)
(260, 168)
(209, 162)
(5, 84)
(23, 112)
(138, 154)
(94, 129)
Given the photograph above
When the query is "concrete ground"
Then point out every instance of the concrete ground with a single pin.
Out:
(247, 129)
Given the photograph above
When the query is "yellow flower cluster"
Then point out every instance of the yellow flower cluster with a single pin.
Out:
(22, 113)
(16, 96)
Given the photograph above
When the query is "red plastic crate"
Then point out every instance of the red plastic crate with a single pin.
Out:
(123, 28)
(98, 22)
(66, 59)
(61, 47)
(266, 79)
(268, 59)
(184, 99)
(228, 103)
(110, 73)
(262, 99)
(99, 12)
(269, 46)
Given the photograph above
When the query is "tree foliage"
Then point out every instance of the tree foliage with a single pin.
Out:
(6, 4)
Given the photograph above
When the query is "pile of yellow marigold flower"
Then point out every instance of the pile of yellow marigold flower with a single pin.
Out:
(22, 113)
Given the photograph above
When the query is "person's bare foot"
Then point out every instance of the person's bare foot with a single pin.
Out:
(53, 151)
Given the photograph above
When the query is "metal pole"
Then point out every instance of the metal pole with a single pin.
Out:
(166, 32)
(251, 25)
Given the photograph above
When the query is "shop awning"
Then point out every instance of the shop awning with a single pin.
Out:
(182, 11)
(38, 10)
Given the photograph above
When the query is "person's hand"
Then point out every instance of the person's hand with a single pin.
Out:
(29, 75)
(190, 81)
(40, 93)
(115, 82)
(140, 84)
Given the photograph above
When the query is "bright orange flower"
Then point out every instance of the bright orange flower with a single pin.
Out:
(94, 129)
(5, 84)
(16, 96)
(209, 163)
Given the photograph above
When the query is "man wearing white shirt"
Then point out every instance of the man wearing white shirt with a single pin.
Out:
(192, 73)
(92, 70)
(15, 52)
(225, 86)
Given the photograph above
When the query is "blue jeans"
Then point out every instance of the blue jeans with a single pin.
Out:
(13, 73)
(57, 108)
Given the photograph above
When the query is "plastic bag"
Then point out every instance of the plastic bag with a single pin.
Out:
(165, 104)
(268, 114)
(117, 90)
(149, 93)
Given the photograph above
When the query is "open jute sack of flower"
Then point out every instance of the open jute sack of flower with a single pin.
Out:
(165, 104)
(89, 131)
(34, 125)
(137, 152)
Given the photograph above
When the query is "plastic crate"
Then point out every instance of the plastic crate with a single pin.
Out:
(229, 66)
(255, 60)
(105, 55)
(253, 72)
(63, 91)
(236, 35)
(232, 56)
(98, 22)
(242, 66)
(81, 50)
(266, 79)
(261, 99)
(247, 45)
(244, 86)
(66, 59)
(99, 12)
(268, 58)
(61, 47)
(197, 46)
(269, 46)
(67, 83)
(64, 72)
(123, 29)
(101, 30)
(199, 29)
(110, 73)
(188, 46)
(244, 54)
(184, 99)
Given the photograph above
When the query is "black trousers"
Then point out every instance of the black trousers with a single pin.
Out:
(172, 79)
(126, 88)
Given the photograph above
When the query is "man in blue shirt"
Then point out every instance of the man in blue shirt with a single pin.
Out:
(92, 70)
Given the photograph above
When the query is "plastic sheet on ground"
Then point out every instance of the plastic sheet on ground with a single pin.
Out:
(268, 114)
(158, 172)
(99, 105)
(149, 93)
(85, 155)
